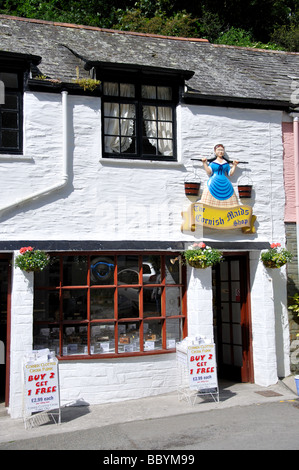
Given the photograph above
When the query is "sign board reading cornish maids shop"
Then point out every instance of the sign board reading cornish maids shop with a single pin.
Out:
(41, 382)
(218, 207)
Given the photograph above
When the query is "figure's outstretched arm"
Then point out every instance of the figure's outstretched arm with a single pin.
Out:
(206, 166)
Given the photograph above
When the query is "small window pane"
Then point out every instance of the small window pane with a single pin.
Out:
(50, 276)
(164, 113)
(110, 89)
(102, 270)
(152, 335)
(112, 126)
(111, 109)
(151, 301)
(148, 91)
(128, 269)
(10, 139)
(151, 269)
(46, 336)
(10, 80)
(173, 301)
(127, 90)
(102, 339)
(128, 337)
(101, 304)
(46, 305)
(74, 304)
(74, 340)
(172, 270)
(9, 120)
(11, 102)
(173, 332)
(128, 302)
(165, 147)
(74, 270)
(164, 93)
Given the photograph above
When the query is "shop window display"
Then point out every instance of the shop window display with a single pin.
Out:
(109, 305)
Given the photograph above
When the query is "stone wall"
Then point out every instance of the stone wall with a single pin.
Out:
(293, 287)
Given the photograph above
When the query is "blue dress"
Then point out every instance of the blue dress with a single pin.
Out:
(219, 185)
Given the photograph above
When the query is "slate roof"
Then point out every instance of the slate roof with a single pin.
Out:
(219, 71)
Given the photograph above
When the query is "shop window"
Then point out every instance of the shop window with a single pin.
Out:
(139, 120)
(108, 305)
(11, 113)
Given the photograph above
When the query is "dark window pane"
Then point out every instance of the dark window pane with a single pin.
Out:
(74, 304)
(11, 102)
(101, 304)
(10, 139)
(74, 270)
(46, 305)
(9, 120)
(10, 80)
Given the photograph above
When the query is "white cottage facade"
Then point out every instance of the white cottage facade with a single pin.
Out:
(112, 305)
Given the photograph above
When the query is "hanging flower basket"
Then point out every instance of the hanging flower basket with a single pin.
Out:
(200, 256)
(276, 257)
(31, 260)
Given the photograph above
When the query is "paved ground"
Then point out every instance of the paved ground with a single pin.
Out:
(122, 425)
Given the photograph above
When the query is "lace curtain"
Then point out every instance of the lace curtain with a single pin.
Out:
(121, 119)
(158, 119)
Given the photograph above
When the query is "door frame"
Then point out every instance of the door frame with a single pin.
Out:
(246, 370)
(8, 257)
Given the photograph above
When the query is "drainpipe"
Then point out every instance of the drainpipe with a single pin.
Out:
(296, 169)
(65, 175)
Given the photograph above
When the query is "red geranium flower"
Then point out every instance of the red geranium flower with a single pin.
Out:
(25, 248)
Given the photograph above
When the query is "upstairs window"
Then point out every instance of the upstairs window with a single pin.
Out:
(139, 120)
(11, 113)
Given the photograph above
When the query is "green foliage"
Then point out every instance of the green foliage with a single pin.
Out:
(31, 260)
(276, 256)
(295, 305)
(89, 84)
(240, 37)
(287, 37)
(270, 24)
(202, 256)
(181, 24)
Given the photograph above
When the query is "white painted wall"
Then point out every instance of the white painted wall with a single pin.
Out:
(113, 200)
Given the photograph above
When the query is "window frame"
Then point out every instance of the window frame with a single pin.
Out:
(20, 64)
(116, 321)
(138, 79)
(18, 92)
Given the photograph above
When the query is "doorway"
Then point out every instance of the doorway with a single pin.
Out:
(5, 276)
(231, 309)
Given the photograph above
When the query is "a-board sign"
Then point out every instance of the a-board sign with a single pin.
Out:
(41, 383)
(202, 367)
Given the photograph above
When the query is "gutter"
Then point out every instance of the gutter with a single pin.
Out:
(65, 171)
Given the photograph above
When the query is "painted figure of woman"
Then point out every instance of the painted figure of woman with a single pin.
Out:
(219, 191)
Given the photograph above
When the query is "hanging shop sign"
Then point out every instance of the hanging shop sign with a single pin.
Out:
(218, 207)
(202, 369)
(219, 218)
(41, 383)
